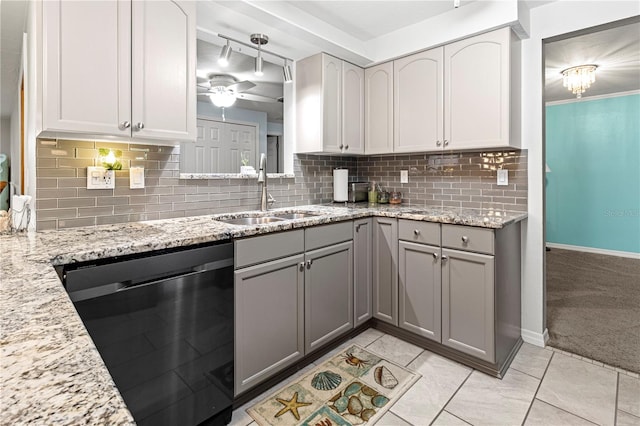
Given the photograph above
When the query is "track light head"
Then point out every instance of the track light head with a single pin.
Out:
(223, 60)
(286, 73)
(258, 68)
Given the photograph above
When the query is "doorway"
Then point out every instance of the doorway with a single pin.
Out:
(592, 194)
(274, 154)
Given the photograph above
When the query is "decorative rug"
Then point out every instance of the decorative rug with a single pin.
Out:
(354, 387)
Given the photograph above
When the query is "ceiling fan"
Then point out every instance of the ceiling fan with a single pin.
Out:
(224, 89)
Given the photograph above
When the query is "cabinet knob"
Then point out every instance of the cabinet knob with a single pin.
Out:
(125, 125)
(444, 257)
(301, 266)
(341, 146)
(435, 256)
(446, 142)
(140, 126)
(416, 232)
(465, 239)
(309, 263)
(438, 143)
(346, 147)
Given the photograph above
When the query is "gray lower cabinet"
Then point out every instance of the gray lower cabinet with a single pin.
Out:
(468, 311)
(419, 289)
(362, 270)
(385, 267)
(328, 292)
(269, 319)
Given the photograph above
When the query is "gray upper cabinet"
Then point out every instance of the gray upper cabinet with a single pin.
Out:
(362, 270)
(269, 319)
(419, 289)
(385, 276)
(328, 289)
(468, 316)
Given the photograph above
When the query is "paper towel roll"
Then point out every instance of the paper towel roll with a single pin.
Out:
(340, 185)
(20, 211)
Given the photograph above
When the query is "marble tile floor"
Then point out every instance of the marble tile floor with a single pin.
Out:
(542, 387)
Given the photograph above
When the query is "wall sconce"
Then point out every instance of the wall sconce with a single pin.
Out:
(109, 158)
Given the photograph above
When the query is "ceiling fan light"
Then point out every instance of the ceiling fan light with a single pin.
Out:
(258, 69)
(222, 97)
(286, 72)
(223, 60)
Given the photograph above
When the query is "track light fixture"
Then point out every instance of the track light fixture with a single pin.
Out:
(223, 60)
(286, 72)
(259, 39)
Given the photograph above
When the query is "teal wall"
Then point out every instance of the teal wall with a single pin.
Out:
(593, 189)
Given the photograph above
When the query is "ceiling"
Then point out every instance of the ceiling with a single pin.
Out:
(616, 51)
(13, 17)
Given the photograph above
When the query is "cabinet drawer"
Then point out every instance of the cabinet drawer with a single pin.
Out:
(419, 232)
(468, 238)
(326, 235)
(251, 251)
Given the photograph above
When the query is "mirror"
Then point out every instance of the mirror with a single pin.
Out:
(232, 136)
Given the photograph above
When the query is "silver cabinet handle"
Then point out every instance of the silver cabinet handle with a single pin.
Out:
(438, 143)
(125, 125)
(301, 266)
(140, 126)
(435, 256)
(446, 142)
(309, 263)
(444, 257)
(358, 227)
(465, 239)
(416, 232)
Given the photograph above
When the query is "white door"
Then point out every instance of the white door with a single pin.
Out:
(331, 103)
(87, 66)
(163, 70)
(379, 109)
(205, 155)
(417, 103)
(240, 142)
(477, 72)
(352, 109)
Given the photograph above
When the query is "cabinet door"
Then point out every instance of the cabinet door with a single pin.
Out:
(362, 271)
(331, 103)
(468, 315)
(379, 109)
(419, 289)
(328, 293)
(352, 109)
(87, 66)
(385, 275)
(269, 303)
(164, 70)
(417, 102)
(476, 81)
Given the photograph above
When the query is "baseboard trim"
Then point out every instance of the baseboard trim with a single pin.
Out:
(629, 254)
(537, 339)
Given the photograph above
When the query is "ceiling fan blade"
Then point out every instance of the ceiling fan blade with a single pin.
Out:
(241, 86)
(257, 98)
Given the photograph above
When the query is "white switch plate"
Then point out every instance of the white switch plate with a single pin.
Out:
(503, 177)
(136, 177)
(404, 176)
(100, 178)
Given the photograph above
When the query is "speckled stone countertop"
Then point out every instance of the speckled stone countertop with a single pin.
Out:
(50, 371)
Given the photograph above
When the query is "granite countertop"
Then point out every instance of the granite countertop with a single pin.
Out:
(50, 370)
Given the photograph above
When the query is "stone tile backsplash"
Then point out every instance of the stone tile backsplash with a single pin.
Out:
(62, 200)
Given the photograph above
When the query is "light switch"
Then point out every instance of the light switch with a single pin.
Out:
(503, 177)
(136, 177)
(100, 178)
(404, 176)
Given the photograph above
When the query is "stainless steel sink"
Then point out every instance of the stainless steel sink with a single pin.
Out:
(251, 220)
(294, 215)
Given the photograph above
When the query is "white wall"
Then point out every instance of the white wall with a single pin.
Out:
(5, 136)
(547, 21)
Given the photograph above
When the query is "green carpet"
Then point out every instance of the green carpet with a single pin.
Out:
(354, 387)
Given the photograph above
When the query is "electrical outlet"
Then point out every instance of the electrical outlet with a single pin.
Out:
(136, 177)
(404, 176)
(503, 177)
(100, 178)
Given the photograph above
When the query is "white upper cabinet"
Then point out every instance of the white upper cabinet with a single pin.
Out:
(119, 69)
(379, 109)
(352, 108)
(329, 105)
(417, 102)
(482, 91)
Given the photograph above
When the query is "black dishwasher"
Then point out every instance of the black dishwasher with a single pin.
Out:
(163, 324)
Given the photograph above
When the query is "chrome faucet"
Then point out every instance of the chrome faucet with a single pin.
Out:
(265, 197)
